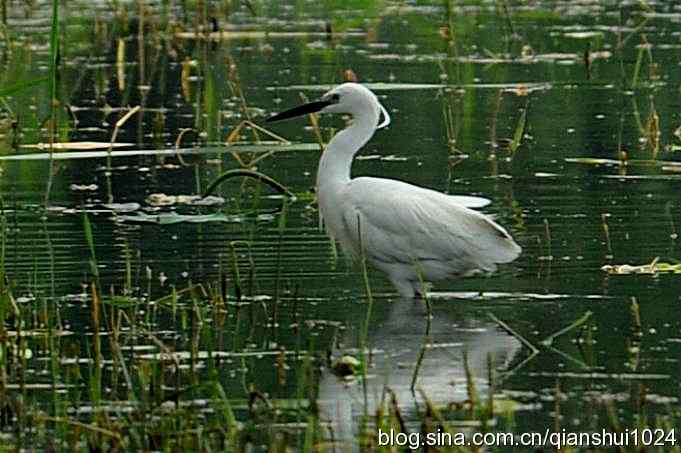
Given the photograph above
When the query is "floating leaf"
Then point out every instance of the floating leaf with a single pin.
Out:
(161, 199)
(600, 55)
(583, 34)
(169, 218)
(83, 187)
(592, 161)
(655, 267)
(122, 207)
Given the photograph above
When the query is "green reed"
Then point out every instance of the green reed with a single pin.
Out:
(54, 61)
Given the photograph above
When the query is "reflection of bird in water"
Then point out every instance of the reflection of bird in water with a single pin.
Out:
(408, 232)
(398, 340)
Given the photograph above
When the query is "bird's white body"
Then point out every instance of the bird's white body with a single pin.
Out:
(407, 230)
(411, 233)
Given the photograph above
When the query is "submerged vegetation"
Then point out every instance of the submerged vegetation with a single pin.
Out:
(163, 282)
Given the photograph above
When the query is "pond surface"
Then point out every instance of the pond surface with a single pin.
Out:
(566, 116)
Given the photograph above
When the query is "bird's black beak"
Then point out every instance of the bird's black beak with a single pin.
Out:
(310, 107)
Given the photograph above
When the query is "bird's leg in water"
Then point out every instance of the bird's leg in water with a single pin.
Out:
(420, 286)
(406, 288)
(421, 291)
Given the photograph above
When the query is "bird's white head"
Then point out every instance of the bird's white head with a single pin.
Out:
(349, 97)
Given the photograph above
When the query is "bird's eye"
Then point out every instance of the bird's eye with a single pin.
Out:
(335, 97)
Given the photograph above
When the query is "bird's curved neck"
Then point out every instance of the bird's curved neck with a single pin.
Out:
(336, 161)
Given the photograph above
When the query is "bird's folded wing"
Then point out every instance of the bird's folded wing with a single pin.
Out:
(405, 223)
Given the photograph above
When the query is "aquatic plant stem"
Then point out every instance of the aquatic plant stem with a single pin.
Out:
(606, 231)
(119, 124)
(54, 85)
(508, 329)
(277, 281)
(250, 174)
(548, 341)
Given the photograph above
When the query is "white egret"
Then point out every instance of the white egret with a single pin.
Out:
(411, 233)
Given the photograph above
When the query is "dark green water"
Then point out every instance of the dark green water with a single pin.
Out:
(420, 60)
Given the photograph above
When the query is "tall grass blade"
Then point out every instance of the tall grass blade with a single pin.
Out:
(54, 85)
(54, 56)
(519, 131)
(89, 238)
